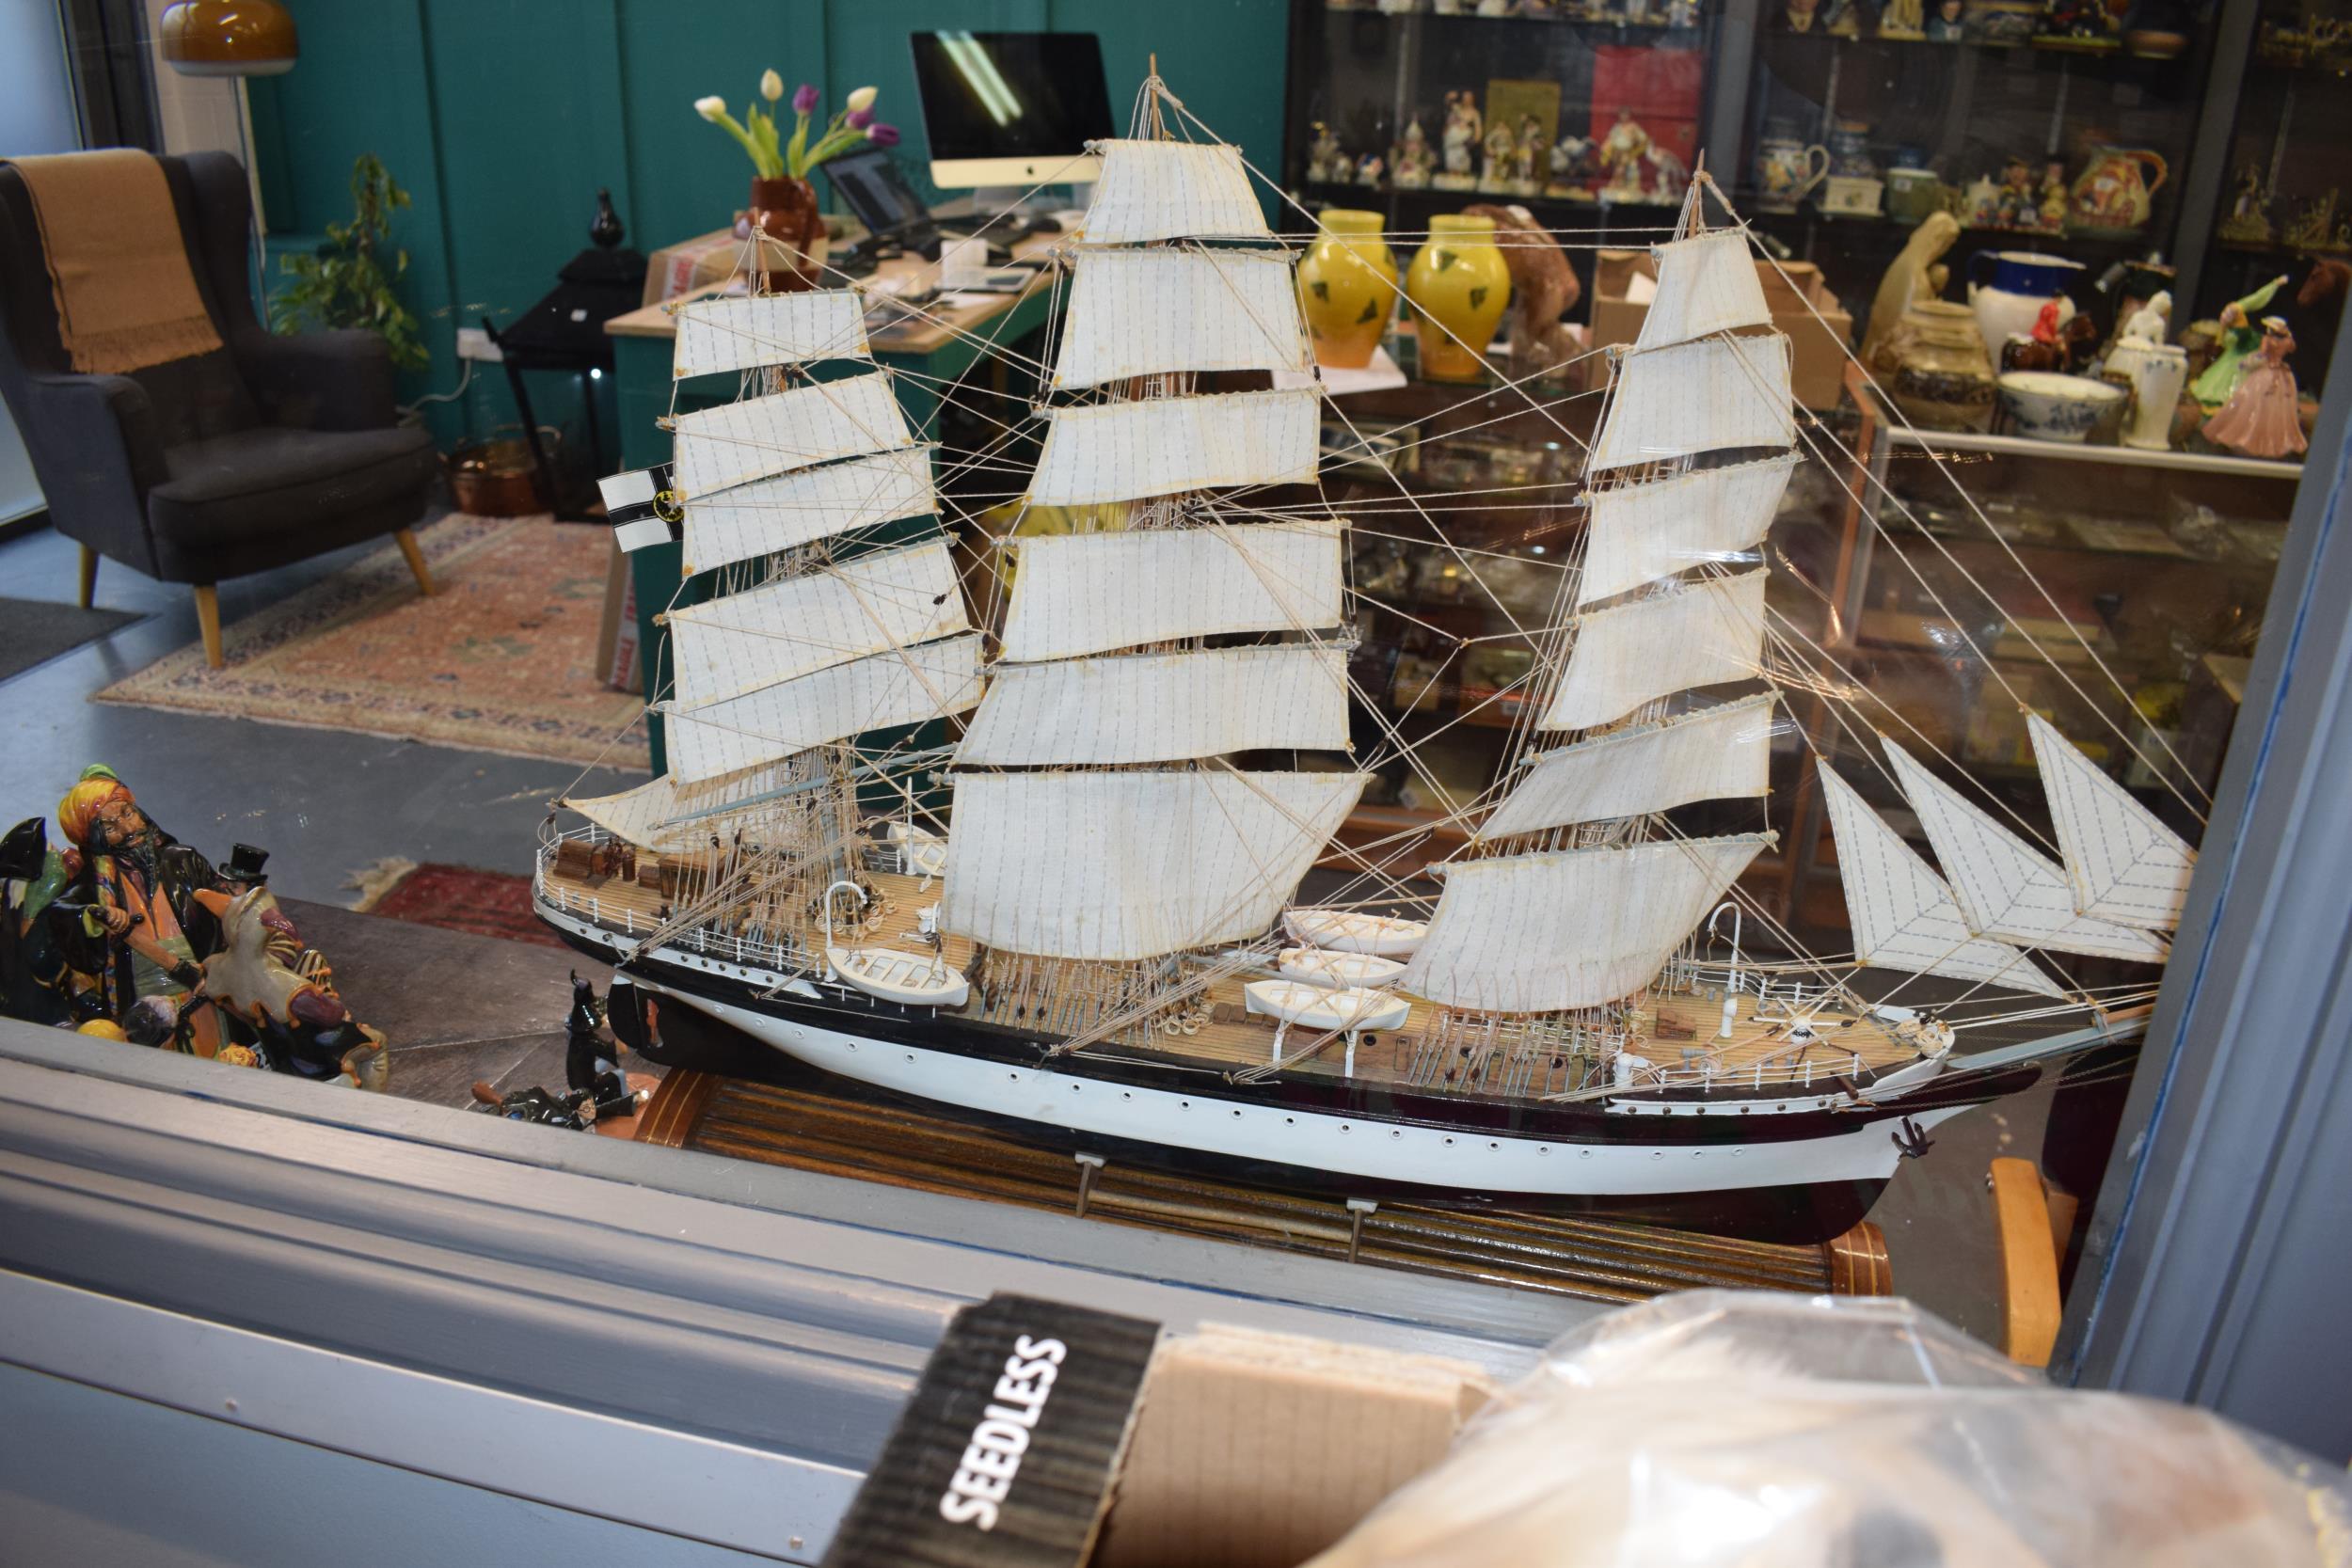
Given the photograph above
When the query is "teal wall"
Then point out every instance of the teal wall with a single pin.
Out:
(501, 118)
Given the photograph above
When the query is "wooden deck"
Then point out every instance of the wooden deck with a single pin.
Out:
(1682, 1031)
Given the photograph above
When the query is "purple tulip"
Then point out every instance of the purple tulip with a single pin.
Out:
(861, 119)
(883, 135)
(803, 99)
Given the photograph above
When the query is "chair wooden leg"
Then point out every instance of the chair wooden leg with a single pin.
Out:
(90, 577)
(208, 617)
(408, 546)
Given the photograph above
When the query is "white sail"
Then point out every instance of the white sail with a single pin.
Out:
(1575, 929)
(1132, 866)
(1109, 451)
(1706, 283)
(890, 599)
(1901, 914)
(1720, 752)
(738, 333)
(904, 686)
(770, 515)
(1171, 190)
(1160, 707)
(667, 816)
(1704, 396)
(1641, 532)
(1701, 635)
(1089, 593)
(738, 442)
(1139, 312)
(2124, 866)
(2007, 888)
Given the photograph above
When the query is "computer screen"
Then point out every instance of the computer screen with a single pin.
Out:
(1012, 109)
(869, 182)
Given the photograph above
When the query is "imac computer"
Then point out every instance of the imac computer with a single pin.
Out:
(1012, 111)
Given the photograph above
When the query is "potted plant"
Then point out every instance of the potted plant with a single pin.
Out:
(348, 280)
(782, 206)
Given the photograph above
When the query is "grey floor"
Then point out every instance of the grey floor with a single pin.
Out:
(326, 803)
(323, 803)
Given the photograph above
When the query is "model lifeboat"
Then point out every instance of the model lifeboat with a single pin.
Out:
(1348, 1010)
(917, 979)
(913, 979)
(921, 852)
(1321, 966)
(1385, 936)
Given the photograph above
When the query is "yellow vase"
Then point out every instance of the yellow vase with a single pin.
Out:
(1347, 288)
(1459, 288)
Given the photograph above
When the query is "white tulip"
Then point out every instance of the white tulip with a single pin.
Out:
(711, 107)
(770, 86)
(864, 99)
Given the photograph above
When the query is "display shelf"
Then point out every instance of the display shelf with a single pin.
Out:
(2069, 451)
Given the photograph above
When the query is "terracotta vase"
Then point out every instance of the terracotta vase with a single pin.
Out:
(1347, 288)
(784, 210)
(1459, 286)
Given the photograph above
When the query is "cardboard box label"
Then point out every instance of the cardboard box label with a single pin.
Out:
(1005, 1456)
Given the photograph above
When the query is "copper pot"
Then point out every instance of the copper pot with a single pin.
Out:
(792, 233)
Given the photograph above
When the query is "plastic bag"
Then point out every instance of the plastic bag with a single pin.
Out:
(1720, 1427)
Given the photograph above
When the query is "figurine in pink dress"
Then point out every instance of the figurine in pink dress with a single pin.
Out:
(2260, 419)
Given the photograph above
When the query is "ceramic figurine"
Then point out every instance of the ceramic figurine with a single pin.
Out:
(2079, 23)
(2240, 338)
(2054, 198)
(1543, 288)
(1494, 8)
(140, 879)
(2314, 228)
(1622, 153)
(1902, 19)
(1945, 24)
(1527, 155)
(1842, 19)
(1326, 160)
(2150, 324)
(1412, 158)
(1799, 16)
(265, 980)
(2260, 419)
(39, 979)
(2249, 222)
(1368, 170)
(1917, 274)
(1494, 170)
(1568, 157)
(1682, 13)
(1464, 129)
(1668, 177)
(592, 1064)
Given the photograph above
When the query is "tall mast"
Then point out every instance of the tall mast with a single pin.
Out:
(1096, 819)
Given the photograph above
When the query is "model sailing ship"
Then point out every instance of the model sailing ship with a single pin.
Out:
(1099, 934)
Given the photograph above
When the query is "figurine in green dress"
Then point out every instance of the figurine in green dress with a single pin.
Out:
(2240, 336)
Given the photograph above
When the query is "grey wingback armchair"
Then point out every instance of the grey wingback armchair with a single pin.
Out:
(265, 451)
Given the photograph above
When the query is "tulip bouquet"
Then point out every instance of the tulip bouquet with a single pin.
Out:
(853, 126)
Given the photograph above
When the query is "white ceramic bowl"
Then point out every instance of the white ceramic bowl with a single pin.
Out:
(2048, 407)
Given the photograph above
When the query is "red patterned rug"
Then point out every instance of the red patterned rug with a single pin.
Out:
(458, 898)
(501, 659)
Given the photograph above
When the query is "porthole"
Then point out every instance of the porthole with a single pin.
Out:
(1543, 1148)
(910, 1055)
(1236, 1116)
(1183, 1105)
(1394, 1132)
(1493, 1146)
(1583, 1153)
(1125, 1095)
(1290, 1121)
(1342, 1127)
(1657, 1154)
(1449, 1143)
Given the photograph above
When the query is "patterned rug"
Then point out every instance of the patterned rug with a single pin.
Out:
(455, 898)
(501, 659)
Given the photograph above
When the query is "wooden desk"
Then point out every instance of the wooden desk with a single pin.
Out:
(937, 350)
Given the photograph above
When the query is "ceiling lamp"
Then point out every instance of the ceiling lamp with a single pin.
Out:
(227, 38)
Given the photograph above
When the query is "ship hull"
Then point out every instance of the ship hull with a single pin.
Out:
(1663, 1157)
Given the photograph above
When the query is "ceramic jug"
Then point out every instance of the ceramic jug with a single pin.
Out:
(1849, 150)
(2157, 373)
(1347, 288)
(2008, 289)
(1786, 170)
(2111, 198)
(1458, 287)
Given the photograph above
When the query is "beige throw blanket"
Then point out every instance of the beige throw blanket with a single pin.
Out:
(117, 266)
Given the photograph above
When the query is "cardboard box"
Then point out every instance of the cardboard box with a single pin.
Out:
(1817, 347)
(1045, 1435)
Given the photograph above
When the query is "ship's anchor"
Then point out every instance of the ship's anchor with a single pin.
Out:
(1911, 1139)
